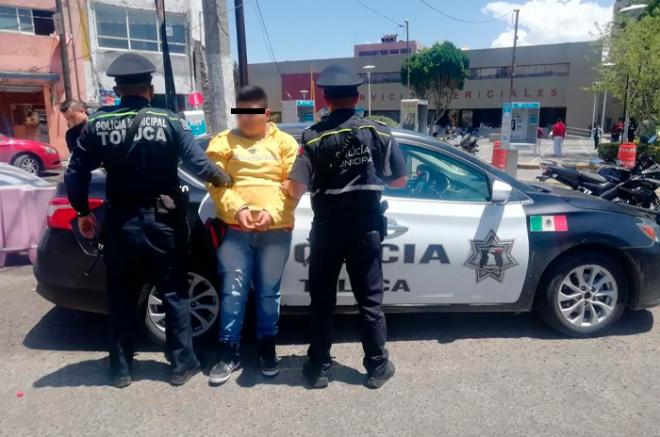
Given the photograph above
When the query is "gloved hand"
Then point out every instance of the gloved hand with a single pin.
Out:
(221, 179)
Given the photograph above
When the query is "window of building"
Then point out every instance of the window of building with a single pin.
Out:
(536, 70)
(137, 29)
(368, 53)
(388, 77)
(25, 20)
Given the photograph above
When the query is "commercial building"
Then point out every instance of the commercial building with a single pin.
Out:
(118, 26)
(388, 45)
(556, 75)
(31, 86)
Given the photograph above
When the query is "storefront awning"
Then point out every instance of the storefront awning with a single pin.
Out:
(28, 76)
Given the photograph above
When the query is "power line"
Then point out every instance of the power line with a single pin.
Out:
(264, 32)
(430, 6)
(369, 8)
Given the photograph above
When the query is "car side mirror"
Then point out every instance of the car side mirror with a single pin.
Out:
(501, 192)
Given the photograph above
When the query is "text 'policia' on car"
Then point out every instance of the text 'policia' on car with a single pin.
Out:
(463, 236)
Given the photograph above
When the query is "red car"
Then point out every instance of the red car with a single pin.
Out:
(32, 156)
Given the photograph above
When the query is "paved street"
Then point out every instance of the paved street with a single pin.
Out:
(457, 375)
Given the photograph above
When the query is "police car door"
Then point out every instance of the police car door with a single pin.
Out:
(447, 242)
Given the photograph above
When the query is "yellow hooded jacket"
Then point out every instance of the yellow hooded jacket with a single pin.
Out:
(257, 167)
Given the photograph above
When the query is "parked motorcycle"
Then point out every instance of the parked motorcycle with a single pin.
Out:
(639, 187)
(465, 142)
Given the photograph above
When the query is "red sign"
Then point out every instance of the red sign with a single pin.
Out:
(627, 154)
(195, 98)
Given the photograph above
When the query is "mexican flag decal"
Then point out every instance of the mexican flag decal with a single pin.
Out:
(548, 223)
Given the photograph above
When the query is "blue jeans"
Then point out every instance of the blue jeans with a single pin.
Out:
(251, 258)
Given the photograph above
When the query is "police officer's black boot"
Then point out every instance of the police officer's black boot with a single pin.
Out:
(378, 379)
(315, 374)
(267, 356)
(230, 360)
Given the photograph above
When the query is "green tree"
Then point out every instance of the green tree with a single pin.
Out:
(633, 52)
(436, 73)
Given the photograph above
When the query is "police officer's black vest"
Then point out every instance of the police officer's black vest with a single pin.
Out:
(348, 162)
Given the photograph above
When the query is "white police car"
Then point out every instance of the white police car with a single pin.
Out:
(463, 236)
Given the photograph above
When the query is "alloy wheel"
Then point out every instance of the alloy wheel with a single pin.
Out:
(587, 296)
(204, 305)
(30, 165)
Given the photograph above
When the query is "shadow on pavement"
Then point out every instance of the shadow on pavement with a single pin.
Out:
(90, 373)
(69, 330)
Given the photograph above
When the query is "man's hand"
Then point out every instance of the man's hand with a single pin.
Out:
(263, 221)
(244, 217)
(87, 225)
(293, 189)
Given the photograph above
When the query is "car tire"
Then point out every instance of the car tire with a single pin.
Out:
(583, 294)
(29, 162)
(204, 307)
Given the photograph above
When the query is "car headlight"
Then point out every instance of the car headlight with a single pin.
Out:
(650, 229)
(49, 149)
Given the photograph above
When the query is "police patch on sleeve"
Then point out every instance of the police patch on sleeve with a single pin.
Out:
(491, 257)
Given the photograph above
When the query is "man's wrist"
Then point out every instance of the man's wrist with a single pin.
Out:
(245, 207)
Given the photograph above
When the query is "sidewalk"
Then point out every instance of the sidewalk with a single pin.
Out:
(576, 151)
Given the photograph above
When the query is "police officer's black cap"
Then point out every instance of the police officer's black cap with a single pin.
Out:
(131, 68)
(338, 81)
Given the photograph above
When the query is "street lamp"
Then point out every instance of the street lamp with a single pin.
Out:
(368, 69)
(602, 115)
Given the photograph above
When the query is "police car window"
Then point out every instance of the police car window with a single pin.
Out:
(432, 175)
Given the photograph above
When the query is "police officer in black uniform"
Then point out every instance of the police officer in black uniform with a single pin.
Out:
(145, 232)
(346, 161)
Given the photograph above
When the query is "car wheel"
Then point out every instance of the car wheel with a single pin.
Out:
(29, 163)
(585, 293)
(204, 308)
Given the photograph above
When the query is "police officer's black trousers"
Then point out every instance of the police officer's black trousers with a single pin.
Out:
(142, 248)
(356, 242)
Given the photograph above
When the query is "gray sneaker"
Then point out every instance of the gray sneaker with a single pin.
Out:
(229, 362)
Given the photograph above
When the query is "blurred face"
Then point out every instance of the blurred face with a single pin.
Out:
(253, 125)
(74, 116)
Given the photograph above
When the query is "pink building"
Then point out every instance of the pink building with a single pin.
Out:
(31, 85)
(388, 46)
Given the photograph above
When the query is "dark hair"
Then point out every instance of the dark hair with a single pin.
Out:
(252, 93)
(75, 104)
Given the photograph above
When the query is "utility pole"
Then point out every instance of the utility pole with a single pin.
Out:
(513, 56)
(408, 53)
(240, 40)
(64, 50)
(221, 96)
(511, 165)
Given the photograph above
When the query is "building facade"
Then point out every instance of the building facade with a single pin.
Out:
(556, 75)
(388, 45)
(31, 85)
(119, 26)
